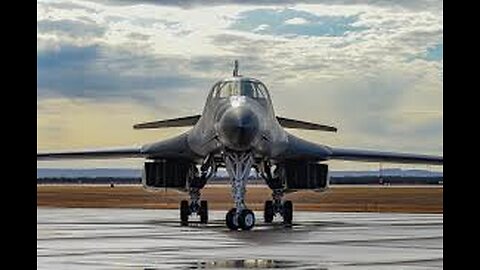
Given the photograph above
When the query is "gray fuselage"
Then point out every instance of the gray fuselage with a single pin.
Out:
(238, 116)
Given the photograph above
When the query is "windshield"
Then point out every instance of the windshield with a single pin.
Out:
(227, 89)
(240, 88)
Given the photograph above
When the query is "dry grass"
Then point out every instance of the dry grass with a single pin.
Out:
(346, 199)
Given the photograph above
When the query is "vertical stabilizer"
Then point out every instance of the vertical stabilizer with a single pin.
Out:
(235, 68)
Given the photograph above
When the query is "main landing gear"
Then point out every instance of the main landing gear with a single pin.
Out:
(238, 165)
(284, 209)
(277, 205)
(186, 210)
(195, 184)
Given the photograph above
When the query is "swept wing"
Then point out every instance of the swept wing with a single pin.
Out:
(176, 147)
(301, 149)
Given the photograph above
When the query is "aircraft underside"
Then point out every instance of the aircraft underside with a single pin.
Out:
(280, 176)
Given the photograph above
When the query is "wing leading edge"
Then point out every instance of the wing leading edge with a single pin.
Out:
(378, 156)
(301, 149)
(176, 147)
(131, 152)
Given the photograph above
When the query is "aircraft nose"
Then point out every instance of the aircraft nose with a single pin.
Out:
(238, 127)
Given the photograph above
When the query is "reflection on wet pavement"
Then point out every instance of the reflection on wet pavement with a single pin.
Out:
(251, 264)
(153, 239)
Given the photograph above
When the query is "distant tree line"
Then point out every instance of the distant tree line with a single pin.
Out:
(89, 180)
(383, 180)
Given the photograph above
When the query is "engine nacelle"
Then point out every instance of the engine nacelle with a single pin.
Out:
(168, 174)
(297, 175)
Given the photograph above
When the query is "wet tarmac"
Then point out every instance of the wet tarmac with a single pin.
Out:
(153, 239)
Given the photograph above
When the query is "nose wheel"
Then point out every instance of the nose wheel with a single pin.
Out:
(244, 220)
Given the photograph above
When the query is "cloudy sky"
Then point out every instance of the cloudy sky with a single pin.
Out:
(374, 69)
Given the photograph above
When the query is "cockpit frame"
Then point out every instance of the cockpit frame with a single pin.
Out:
(240, 86)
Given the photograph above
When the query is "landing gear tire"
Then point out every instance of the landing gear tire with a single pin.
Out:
(246, 219)
(268, 212)
(184, 212)
(287, 213)
(203, 212)
(229, 219)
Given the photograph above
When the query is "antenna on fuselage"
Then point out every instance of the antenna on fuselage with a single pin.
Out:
(235, 68)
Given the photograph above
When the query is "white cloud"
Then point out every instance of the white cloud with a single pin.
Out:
(296, 21)
(261, 27)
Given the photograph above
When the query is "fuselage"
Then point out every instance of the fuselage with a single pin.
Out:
(238, 116)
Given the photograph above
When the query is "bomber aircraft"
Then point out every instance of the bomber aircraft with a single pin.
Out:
(238, 130)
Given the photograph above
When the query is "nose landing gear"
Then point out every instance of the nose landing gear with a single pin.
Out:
(238, 166)
(244, 221)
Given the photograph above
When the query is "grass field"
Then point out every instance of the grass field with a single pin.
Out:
(409, 199)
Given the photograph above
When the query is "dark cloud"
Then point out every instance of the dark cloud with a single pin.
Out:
(409, 4)
(71, 28)
(69, 6)
(97, 73)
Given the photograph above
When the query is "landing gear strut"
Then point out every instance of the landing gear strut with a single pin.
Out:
(195, 184)
(238, 166)
(277, 205)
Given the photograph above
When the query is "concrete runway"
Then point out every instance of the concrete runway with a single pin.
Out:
(153, 239)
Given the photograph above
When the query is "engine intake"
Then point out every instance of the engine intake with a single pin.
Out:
(168, 174)
(303, 175)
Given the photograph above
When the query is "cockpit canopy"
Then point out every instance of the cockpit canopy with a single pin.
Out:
(240, 87)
